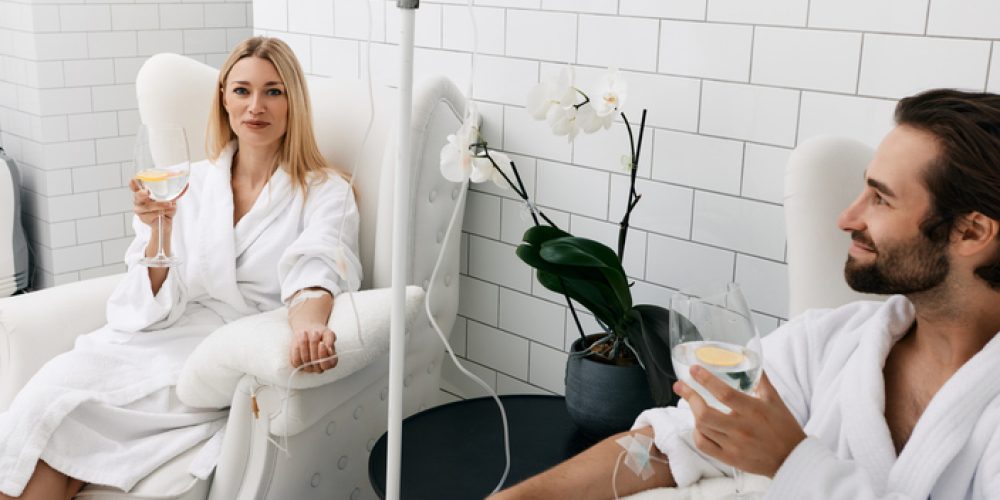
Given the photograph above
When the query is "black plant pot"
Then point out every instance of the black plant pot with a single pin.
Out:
(604, 399)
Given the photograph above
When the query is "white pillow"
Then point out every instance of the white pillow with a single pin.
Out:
(259, 345)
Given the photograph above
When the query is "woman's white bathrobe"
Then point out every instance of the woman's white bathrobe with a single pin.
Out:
(106, 412)
(827, 367)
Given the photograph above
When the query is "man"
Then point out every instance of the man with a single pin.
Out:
(894, 400)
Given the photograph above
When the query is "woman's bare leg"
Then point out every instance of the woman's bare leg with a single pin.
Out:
(47, 483)
(588, 475)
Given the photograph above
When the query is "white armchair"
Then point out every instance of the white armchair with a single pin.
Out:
(336, 424)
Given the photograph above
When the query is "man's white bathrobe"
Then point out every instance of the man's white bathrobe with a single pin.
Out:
(106, 412)
(827, 367)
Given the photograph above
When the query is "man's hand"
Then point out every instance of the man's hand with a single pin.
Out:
(313, 342)
(757, 436)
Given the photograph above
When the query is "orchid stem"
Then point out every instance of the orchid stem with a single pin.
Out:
(633, 196)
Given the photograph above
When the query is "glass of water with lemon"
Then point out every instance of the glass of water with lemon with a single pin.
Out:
(162, 167)
(716, 332)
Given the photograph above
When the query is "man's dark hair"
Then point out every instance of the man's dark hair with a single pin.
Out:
(965, 177)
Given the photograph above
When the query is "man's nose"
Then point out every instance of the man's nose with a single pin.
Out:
(850, 219)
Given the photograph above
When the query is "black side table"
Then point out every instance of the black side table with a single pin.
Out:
(455, 450)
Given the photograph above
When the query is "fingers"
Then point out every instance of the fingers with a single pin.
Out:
(765, 390)
(296, 355)
(314, 340)
(706, 417)
(722, 391)
(327, 349)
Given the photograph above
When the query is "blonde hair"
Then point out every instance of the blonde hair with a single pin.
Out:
(298, 151)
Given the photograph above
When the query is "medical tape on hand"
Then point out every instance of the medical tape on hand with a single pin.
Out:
(637, 454)
(306, 295)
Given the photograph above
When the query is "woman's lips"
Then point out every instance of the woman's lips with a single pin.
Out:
(255, 124)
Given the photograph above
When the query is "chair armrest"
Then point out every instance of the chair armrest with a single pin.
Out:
(259, 345)
(37, 326)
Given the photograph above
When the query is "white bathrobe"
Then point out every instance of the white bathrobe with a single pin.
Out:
(827, 367)
(106, 412)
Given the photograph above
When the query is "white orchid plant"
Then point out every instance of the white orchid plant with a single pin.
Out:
(584, 271)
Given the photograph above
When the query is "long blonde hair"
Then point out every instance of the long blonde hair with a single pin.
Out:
(298, 151)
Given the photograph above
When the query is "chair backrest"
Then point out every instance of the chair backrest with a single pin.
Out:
(823, 176)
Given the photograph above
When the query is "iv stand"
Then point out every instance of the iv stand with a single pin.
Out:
(400, 244)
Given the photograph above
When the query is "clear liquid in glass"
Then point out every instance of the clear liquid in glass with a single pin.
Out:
(736, 365)
(164, 184)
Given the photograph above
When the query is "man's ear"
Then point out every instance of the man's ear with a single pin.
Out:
(974, 232)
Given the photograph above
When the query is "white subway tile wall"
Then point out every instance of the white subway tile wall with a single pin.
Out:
(68, 112)
(731, 87)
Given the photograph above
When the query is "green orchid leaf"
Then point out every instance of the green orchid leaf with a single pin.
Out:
(536, 235)
(650, 336)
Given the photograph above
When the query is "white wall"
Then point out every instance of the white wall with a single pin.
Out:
(731, 87)
(68, 113)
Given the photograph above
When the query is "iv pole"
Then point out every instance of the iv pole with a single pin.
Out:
(400, 244)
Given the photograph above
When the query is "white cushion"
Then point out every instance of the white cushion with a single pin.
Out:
(259, 346)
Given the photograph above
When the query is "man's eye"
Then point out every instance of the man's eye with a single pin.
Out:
(878, 199)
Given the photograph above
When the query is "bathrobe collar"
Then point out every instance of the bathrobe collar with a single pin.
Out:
(222, 243)
(941, 431)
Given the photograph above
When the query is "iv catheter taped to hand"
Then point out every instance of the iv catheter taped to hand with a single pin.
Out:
(637, 454)
(306, 295)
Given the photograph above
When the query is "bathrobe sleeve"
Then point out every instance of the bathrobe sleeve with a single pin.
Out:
(323, 256)
(794, 355)
(132, 306)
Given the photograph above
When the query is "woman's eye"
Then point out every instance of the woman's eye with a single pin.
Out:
(240, 91)
(274, 92)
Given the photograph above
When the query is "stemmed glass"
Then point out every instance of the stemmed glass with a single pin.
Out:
(162, 167)
(718, 333)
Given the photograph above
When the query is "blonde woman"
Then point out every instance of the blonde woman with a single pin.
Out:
(257, 228)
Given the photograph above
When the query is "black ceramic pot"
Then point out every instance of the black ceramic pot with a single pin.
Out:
(604, 399)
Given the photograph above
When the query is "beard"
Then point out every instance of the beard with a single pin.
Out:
(904, 267)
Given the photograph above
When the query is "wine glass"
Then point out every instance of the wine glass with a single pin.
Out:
(162, 167)
(718, 333)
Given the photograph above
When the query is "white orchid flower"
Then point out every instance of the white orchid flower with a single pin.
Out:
(562, 121)
(461, 157)
(546, 95)
(503, 164)
(608, 96)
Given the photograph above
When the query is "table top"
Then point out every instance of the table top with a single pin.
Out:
(455, 450)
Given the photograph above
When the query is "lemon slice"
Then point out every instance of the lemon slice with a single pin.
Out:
(151, 175)
(717, 356)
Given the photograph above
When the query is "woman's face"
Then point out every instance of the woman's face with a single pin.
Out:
(255, 99)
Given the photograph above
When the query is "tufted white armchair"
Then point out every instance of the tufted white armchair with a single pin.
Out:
(335, 425)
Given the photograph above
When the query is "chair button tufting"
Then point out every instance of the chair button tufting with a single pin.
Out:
(331, 428)
(316, 479)
(432, 195)
(342, 463)
(356, 494)
(358, 412)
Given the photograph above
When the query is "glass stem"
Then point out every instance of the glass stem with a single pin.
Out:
(738, 479)
(159, 237)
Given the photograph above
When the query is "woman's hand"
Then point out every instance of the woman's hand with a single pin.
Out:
(757, 436)
(147, 208)
(313, 342)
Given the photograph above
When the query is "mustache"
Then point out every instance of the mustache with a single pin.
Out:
(862, 238)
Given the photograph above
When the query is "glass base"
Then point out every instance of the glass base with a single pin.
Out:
(160, 261)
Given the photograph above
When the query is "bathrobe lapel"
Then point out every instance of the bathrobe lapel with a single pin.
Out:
(947, 423)
(863, 392)
(273, 201)
(218, 245)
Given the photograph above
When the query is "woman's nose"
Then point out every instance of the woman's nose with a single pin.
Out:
(256, 104)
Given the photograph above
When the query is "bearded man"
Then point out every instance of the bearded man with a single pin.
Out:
(873, 400)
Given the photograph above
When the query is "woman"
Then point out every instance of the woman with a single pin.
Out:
(258, 228)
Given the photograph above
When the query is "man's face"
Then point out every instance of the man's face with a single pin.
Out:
(889, 254)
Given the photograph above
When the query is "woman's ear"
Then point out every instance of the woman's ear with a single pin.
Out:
(975, 232)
